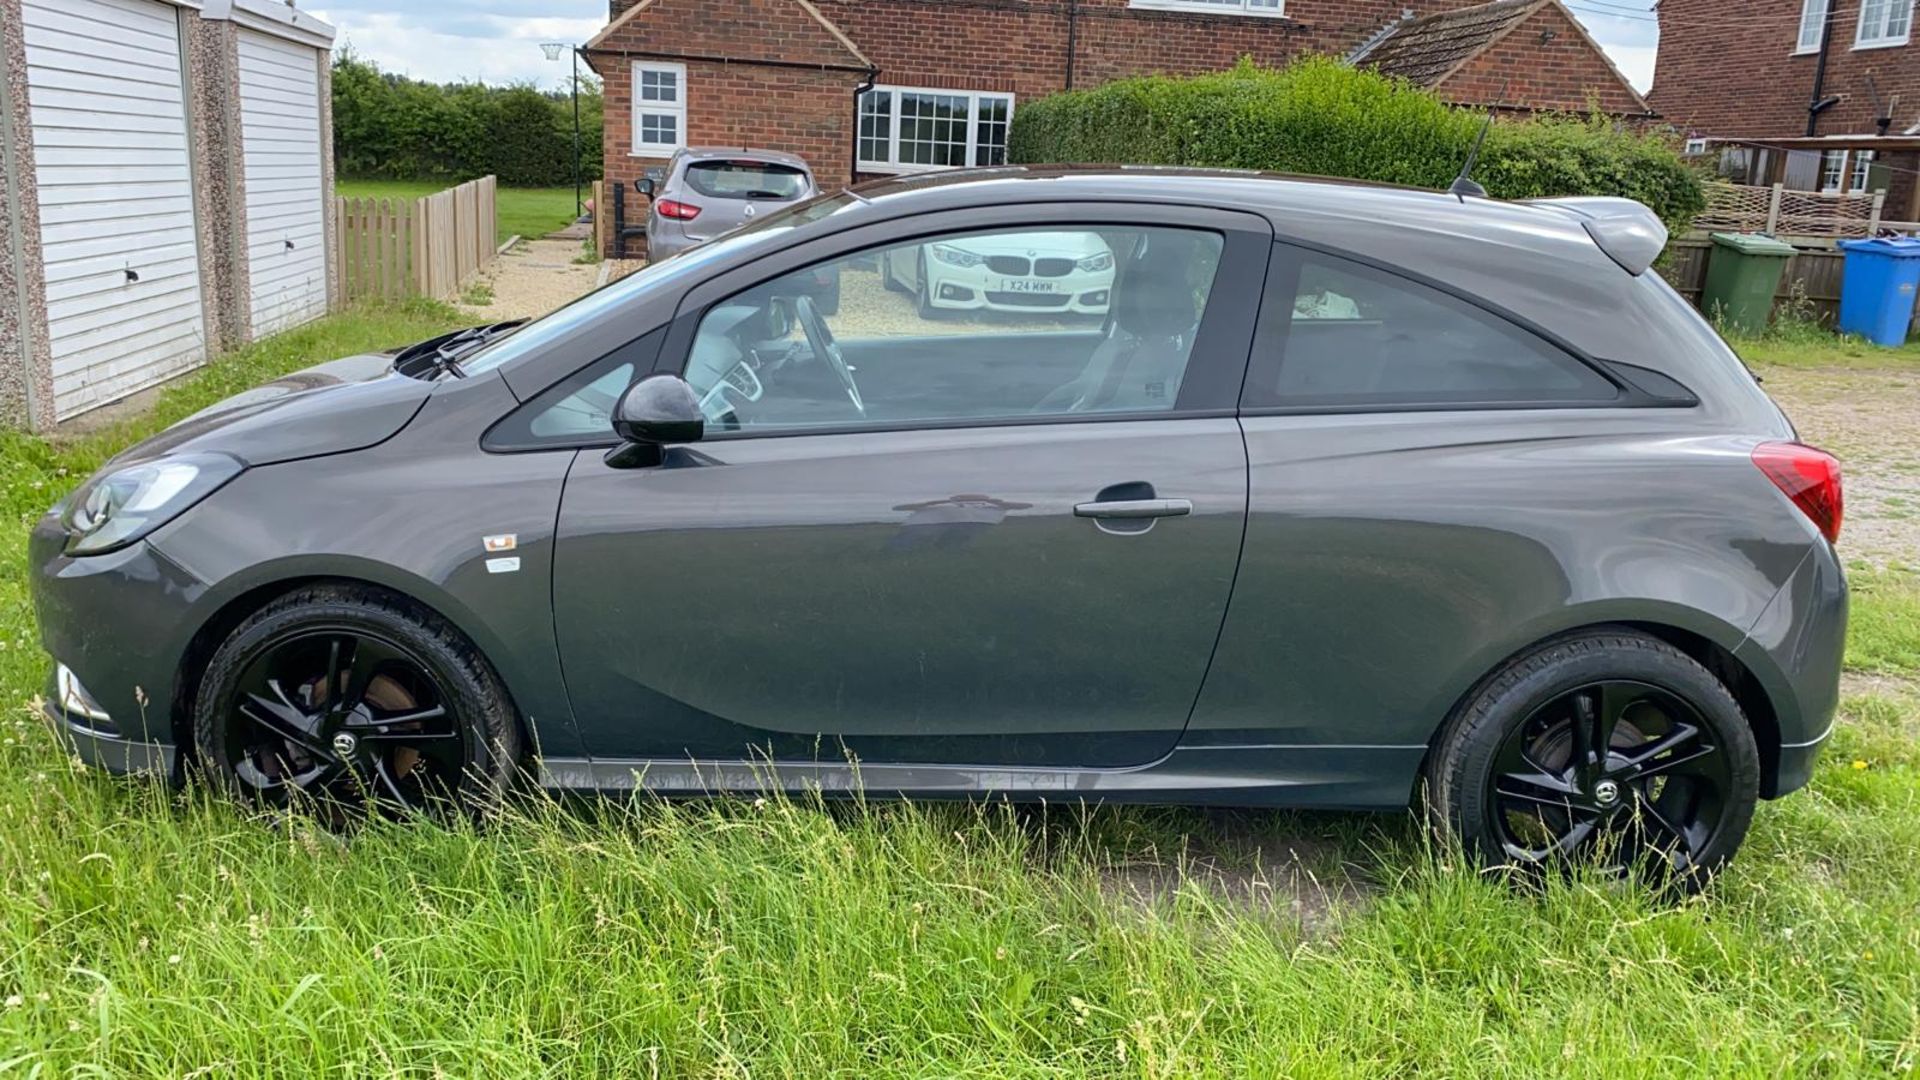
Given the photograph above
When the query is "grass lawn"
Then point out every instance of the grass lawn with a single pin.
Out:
(529, 213)
(147, 933)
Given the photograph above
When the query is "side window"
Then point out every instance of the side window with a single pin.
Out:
(1355, 335)
(965, 327)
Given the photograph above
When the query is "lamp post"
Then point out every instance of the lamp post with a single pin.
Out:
(552, 51)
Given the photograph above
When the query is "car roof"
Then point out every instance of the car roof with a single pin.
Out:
(693, 154)
(1291, 200)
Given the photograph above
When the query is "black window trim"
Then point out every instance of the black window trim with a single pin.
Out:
(1276, 322)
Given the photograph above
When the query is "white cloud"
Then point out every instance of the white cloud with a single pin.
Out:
(489, 48)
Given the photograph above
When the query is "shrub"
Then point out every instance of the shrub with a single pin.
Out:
(390, 127)
(1321, 117)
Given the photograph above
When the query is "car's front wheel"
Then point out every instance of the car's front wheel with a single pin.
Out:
(351, 700)
(1610, 749)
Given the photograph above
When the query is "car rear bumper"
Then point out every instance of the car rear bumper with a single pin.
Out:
(1795, 652)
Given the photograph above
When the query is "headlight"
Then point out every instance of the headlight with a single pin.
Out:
(115, 508)
(1093, 264)
(954, 256)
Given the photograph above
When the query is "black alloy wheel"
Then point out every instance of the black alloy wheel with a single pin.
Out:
(1606, 749)
(352, 702)
(337, 714)
(1611, 773)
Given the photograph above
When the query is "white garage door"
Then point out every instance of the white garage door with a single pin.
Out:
(104, 83)
(286, 232)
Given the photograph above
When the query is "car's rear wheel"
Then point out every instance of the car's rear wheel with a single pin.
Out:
(351, 702)
(1609, 749)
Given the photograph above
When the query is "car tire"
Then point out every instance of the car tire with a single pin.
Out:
(922, 299)
(887, 280)
(422, 725)
(829, 299)
(1504, 778)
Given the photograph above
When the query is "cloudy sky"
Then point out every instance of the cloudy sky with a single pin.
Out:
(499, 40)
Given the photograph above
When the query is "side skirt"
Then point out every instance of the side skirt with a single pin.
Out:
(1323, 777)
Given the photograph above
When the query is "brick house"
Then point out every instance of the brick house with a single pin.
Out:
(864, 88)
(1821, 95)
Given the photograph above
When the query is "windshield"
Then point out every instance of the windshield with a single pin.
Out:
(608, 297)
(746, 180)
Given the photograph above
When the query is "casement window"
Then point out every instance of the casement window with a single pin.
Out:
(1862, 172)
(1218, 7)
(1883, 23)
(1696, 147)
(659, 109)
(1833, 170)
(1813, 25)
(911, 129)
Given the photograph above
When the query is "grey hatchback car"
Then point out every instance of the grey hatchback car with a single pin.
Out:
(1354, 497)
(709, 190)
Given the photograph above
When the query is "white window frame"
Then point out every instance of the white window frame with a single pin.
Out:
(1834, 163)
(893, 164)
(676, 109)
(1813, 26)
(1860, 172)
(1263, 9)
(1877, 37)
(1697, 146)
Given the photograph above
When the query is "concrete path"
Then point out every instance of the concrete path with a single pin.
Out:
(531, 280)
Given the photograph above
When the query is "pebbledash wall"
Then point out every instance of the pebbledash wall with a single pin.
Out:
(132, 247)
(784, 74)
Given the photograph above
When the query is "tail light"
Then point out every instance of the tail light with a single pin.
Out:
(1810, 477)
(677, 210)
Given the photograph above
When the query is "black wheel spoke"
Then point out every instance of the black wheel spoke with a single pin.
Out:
(282, 718)
(369, 657)
(389, 784)
(363, 726)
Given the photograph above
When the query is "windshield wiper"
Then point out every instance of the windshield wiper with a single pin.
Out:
(441, 355)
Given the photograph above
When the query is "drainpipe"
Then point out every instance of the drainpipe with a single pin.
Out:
(1817, 104)
(853, 161)
(1073, 25)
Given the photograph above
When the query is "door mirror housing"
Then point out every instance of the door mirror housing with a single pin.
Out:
(659, 410)
(644, 186)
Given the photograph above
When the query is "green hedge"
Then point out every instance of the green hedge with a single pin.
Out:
(1321, 117)
(390, 127)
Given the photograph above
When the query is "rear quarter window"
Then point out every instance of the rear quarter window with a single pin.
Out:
(1339, 333)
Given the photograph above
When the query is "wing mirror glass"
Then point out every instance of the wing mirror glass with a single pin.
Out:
(644, 186)
(659, 410)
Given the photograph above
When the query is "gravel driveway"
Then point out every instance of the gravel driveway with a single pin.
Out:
(1871, 419)
(533, 279)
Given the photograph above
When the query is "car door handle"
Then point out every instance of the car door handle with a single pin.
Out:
(1134, 508)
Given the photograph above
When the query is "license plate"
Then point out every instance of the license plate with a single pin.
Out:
(1025, 285)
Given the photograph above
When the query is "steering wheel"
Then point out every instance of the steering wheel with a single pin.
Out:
(820, 340)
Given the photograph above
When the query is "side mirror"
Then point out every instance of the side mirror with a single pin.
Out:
(659, 410)
(644, 186)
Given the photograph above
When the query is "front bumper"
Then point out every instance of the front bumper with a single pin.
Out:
(121, 623)
(1080, 292)
(102, 750)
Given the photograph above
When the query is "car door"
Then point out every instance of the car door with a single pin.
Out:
(1018, 551)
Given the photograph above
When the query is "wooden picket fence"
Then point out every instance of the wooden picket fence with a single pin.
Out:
(431, 246)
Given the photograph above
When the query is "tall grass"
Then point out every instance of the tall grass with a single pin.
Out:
(145, 932)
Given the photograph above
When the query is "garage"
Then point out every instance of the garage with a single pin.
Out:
(114, 179)
(285, 192)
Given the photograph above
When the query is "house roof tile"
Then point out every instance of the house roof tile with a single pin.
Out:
(1426, 50)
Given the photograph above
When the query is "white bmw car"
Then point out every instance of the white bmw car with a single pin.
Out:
(1061, 272)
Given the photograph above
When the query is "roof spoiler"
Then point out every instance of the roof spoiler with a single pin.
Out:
(1627, 231)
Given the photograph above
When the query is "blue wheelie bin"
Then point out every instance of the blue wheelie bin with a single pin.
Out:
(1877, 288)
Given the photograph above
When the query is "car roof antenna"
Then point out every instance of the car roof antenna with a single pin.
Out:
(1465, 185)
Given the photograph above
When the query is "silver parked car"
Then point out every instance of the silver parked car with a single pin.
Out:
(710, 190)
